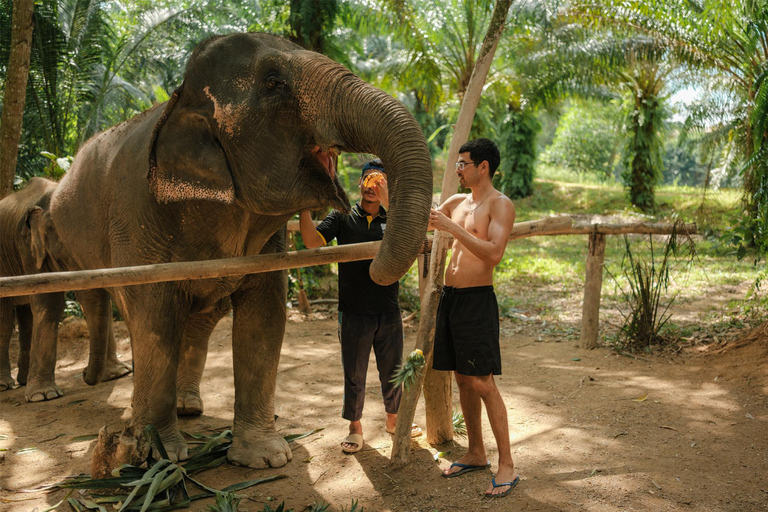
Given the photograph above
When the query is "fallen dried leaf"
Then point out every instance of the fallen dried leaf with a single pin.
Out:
(641, 398)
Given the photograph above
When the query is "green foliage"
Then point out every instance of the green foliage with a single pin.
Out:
(518, 154)
(681, 166)
(586, 139)
(353, 507)
(459, 426)
(320, 506)
(311, 22)
(647, 281)
(280, 508)
(225, 502)
(406, 373)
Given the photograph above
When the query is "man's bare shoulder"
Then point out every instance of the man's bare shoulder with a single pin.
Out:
(452, 202)
(502, 207)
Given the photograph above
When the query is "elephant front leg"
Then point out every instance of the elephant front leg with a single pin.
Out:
(47, 310)
(6, 331)
(157, 316)
(259, 325)
(194, 352)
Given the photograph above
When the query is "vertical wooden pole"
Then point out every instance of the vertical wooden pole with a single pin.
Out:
(593, 284)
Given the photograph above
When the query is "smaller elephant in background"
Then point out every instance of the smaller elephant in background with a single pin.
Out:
(29, 245)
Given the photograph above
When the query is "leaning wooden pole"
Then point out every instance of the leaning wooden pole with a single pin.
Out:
(439, 403)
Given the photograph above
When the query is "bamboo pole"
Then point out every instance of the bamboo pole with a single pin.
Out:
(593, 284)
(439, 389)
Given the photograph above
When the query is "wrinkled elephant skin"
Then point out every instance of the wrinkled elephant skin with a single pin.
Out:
(249, 138)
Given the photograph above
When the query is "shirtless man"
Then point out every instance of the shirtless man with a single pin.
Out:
(467, 330)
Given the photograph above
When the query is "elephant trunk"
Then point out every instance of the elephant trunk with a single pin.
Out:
(364, 119)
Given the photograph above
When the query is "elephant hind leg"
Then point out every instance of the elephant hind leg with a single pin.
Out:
(6, 331)
(24, 318)
(103, 364)
(194, 352)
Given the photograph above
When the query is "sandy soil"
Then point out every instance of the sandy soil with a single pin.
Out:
(591, 430)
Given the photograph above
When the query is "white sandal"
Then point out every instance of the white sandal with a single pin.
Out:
(353, 439)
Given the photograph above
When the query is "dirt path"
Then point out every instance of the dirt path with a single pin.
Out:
(590, 430)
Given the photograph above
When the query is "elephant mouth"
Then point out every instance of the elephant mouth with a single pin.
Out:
(327, 160)
(323, 169)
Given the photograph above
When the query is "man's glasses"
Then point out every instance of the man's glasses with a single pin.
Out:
(460, 165)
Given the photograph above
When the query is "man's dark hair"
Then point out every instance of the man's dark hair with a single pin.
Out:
(375, 164)
(483, 149)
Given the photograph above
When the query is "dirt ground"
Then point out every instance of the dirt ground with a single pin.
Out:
(591, 430)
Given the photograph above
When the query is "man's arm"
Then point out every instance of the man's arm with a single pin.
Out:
(446, 208)
(499, 228)
(309, 234)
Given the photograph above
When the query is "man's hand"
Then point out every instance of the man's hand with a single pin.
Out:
(381, 189)
(438, 220)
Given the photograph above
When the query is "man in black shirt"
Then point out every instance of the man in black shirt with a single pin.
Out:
(369, 314)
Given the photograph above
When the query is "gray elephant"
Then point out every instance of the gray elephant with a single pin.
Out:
(249, 138)
(28, 244)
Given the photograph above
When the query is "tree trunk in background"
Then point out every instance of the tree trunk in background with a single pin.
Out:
(15, 92)
(438, 395)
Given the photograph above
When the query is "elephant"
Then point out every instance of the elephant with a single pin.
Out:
(250, 137)
(28, 244)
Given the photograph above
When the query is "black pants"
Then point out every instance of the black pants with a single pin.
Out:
(357, 334)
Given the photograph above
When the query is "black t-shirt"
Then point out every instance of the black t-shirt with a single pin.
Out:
(357, 291)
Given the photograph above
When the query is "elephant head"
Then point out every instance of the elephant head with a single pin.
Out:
(259, 122)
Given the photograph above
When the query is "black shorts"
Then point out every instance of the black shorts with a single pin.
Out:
(467, 332)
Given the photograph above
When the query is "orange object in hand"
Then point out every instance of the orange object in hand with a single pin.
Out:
(372, 178)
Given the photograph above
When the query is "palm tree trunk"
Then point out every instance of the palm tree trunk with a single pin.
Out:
(438, 394)
(15, 92)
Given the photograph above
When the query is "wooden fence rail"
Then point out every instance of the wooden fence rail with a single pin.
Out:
(228, 267)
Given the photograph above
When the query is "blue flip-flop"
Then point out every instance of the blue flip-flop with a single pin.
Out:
(511, 485)
(465, 468)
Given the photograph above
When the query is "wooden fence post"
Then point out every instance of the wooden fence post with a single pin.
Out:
(590, 312)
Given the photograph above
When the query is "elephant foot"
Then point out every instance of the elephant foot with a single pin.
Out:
(175, 445)
(116, 369)
(40, 392)
(188, 403)
(262, 451)
(6, 382)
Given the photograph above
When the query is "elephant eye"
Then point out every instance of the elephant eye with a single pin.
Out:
(273, 82)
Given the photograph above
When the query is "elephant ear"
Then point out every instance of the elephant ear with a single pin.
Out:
(34, 231)
(185, 159)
